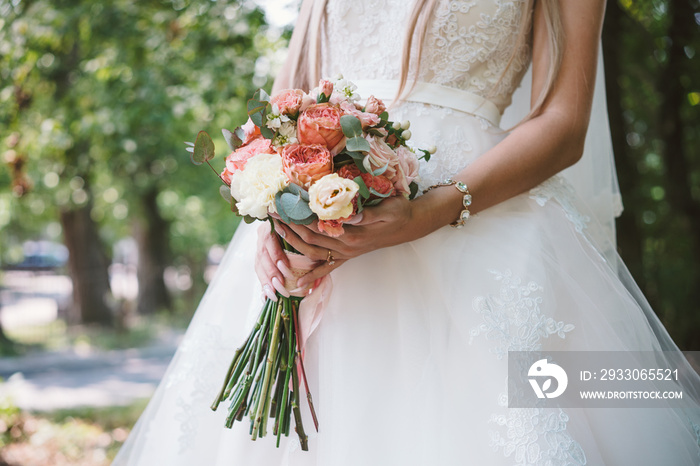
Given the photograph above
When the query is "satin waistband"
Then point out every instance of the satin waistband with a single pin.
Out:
(432, 94)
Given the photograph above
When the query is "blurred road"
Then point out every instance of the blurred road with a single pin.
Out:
(50, 381)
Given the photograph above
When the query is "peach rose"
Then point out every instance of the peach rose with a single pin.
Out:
(320, 124)
(333, 228)
(305, 164)
(375, 106)
(407, 169)
(367, 119)
(288, 101)
(237, 159)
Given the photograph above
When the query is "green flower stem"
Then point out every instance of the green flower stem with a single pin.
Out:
(264, 401)
(283, 416)
(303, 439)
(295, 317)
(218, 174)
(242, 363)
(279, 370)
(239, 360)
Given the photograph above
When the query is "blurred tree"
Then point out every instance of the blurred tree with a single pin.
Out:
(653, 95)
(96, 100)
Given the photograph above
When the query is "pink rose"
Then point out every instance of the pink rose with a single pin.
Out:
(288, 101)
(305, 164)
(380, 155)
(237, 159)
(367, 119)
(407, 169)
(325, 87)
(320, 124)
(250, 130)
(375, 106)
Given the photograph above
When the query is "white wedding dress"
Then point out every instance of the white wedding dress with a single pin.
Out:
(408, 365)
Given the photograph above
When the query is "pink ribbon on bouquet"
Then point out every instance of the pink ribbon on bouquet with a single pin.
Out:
(312, 306)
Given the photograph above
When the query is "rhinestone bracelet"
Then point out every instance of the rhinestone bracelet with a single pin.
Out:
(466, 200)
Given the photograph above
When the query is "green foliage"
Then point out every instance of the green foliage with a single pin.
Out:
(203, 149)
(656, 42)
(293, 205)
(352, 129)
(96, 99)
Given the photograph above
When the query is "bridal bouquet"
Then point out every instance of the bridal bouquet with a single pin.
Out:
(301, 157)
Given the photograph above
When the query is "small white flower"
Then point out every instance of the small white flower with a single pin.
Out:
(406, 135)
(405, 124)
(275, 119)
(287, 134)
(346, 89)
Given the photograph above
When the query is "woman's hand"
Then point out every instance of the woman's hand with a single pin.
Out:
(394, 221)
(271, 263)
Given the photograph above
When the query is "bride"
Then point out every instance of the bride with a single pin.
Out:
(409, 363)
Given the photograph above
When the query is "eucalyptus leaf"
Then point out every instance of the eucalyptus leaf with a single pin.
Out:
(357, 144)
(295, 207)
(266, 132)
(248, 219)
(225, 192)
(358, 158)
(364, 192)
(280, 208)
(351, 125)
(380, 171)
(233, 140)
(203, 149)
(240, 134)
(378, 194)
(296, 189)
(373, 202)
(257, 107)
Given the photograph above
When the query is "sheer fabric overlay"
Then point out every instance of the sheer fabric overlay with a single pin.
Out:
(409, 363)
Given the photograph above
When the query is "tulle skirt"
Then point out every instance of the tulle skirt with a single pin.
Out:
(409, 363)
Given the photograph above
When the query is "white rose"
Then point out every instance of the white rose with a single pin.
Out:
(255, 187)
(331, 197)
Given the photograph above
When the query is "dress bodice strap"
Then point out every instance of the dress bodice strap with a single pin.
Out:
(432, 94)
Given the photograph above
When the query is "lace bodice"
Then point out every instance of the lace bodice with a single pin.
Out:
(468, 44)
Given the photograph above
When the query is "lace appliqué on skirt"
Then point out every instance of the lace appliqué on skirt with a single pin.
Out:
(537, 437)
(513, 318)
